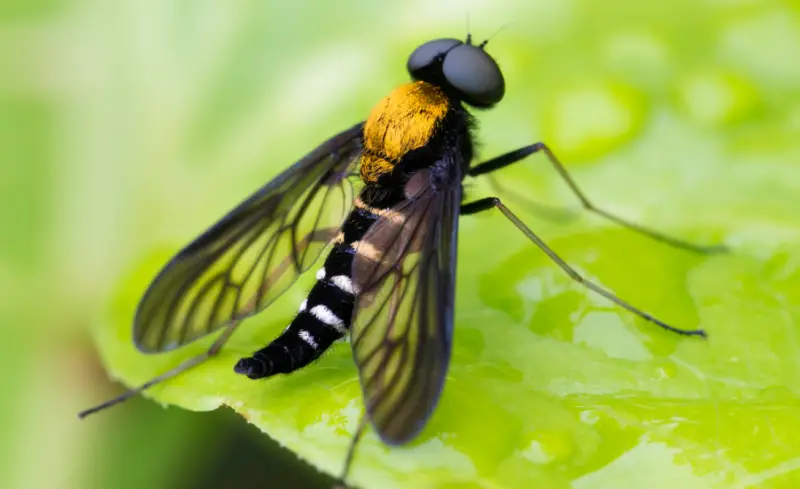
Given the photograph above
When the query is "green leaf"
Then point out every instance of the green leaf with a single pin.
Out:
(550, 385)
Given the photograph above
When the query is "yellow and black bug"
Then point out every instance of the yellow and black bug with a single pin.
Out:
(387, 194)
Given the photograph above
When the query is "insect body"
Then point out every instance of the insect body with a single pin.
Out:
(387, 193)
(414, 116)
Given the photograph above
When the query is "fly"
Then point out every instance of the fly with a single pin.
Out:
(387, 194)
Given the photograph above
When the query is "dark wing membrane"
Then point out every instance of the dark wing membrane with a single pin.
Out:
(404, 272)
(253, 254)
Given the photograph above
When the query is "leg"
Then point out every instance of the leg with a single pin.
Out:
(183, 367)
(321, 235)
(544, 211)
(519, 154)
(362, 423)
(490, 202)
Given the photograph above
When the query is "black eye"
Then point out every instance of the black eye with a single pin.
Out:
(475, 74)
(425, 55)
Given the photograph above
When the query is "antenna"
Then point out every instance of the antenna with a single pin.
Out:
(484, 43)
(469, 34)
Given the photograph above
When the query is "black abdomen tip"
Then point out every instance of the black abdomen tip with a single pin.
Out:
(254, 368)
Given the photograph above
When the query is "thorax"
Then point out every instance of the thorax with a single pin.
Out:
(406, 120)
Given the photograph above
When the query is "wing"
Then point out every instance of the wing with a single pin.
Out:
(253, 254)
(403, 327)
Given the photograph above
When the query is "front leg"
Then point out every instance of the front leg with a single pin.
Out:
(520, 154)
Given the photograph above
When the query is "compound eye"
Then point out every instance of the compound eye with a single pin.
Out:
(471, 71)
(428, 53)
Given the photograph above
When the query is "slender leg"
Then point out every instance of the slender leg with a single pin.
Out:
(544, 211)
(519, 154)
(320, 235)
(362, 423)
(493, 202)
(183, 367)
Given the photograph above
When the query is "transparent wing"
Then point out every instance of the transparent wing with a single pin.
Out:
(403, 327)
(253, 254)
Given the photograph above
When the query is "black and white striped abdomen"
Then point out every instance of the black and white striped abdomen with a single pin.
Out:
(325, 315)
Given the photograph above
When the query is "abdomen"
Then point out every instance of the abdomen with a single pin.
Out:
(325, 316)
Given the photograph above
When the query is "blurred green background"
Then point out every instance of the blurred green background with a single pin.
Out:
(127, 127)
